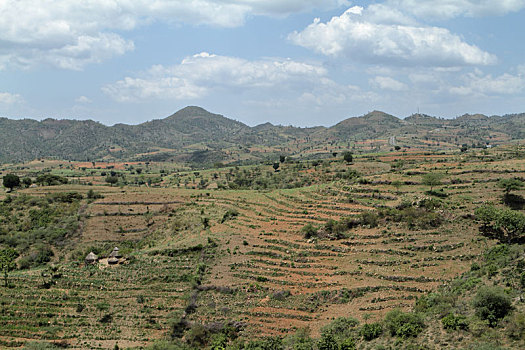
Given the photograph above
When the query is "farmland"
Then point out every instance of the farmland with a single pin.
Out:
(265, 252)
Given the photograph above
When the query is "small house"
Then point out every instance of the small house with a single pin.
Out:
(91, 258)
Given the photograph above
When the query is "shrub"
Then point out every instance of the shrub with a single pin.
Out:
(492, 304)
(197, 336)
(516, 326)
(38, 256)
(229, 215)
(340, 326)
(453, 322)
(64, 197)
(369, 218)
(309, 231)
(39, 346)
(404, 325)
(347, 344)
(371, 331)
(267, 343)
(327, 342)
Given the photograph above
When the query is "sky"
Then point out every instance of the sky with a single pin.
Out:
(288, 62)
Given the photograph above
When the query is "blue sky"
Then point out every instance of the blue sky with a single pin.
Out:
(298, 62)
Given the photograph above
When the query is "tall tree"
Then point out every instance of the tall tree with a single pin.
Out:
(11, 181)
(432, 180)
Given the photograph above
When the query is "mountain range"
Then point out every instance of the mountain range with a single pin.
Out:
(194, 135)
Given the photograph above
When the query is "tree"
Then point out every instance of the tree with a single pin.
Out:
(7, 261)
(348, 157)
(492, 304)
(275, 166)
(282, 159)
(504, 224)
(510, 185)
(27, 181)
(11, 181)
(111, 180)
(432, 179)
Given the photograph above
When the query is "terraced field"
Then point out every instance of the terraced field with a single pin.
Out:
(216, 256)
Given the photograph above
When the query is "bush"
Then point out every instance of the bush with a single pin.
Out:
(516, 326)
(369, 218)
(267, 343)
(492, 304)
(404, 325)
(40, 255)
(371, 331)
(453, 322)
(486, 346)
(64, 197)
(229, 215)
(309, 231)
(341, 327)
(39, 346)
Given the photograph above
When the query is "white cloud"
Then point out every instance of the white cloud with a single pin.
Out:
(83, 99)
(485, 84)
(70, 33)
(432, 9)
(387, 83)
(7, 98)
(371, 36)
(198, 75)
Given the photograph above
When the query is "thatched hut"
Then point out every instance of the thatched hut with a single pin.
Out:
(115, 253)
(113, 261)
(91, 258)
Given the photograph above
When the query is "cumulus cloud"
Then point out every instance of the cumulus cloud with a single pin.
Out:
(197, 75)
(374, 35)
(453, 8)
(83, 99)
(388, 83)
(7, 98)
(486, 84)
(70, 33)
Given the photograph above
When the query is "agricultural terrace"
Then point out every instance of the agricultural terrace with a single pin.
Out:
(315, 240)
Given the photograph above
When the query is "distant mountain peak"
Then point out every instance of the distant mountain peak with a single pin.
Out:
(194, 111)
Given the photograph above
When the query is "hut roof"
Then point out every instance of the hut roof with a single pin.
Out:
(115, 253)
(91, 257)
(112, 260)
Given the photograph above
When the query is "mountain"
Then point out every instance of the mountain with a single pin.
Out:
(195, 135)
(371, 125)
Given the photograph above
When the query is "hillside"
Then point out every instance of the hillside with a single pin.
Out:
(198, 137)
(321, 254)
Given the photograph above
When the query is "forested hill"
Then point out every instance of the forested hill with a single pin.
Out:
(195, 135)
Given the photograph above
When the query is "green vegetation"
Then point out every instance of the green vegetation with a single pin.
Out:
(11, 181)
(504, 224)
(321, 254)
(7, 262)
(492, 304)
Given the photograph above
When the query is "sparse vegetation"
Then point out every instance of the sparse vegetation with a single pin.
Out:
(240, 256)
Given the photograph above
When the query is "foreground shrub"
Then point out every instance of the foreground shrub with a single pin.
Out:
(371, 331)
(404, 324)
(516, 327)
(340, 327)
(492, 304)
(453, 322)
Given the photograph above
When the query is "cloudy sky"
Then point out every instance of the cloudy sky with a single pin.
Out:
(298, 62)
